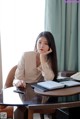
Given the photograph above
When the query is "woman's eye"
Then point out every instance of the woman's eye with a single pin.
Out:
(39, 42)
(46, 43)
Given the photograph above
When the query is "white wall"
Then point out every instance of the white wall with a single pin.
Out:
(0, 51)
(22, 21)
(0, 65)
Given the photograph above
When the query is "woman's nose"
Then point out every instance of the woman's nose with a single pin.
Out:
(42, 45)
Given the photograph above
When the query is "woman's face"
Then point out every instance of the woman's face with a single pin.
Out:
(42, 45)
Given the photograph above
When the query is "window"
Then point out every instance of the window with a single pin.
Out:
(22, 21)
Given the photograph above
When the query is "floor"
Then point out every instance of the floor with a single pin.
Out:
(37, 116)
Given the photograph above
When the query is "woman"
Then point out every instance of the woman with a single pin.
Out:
(40, 64)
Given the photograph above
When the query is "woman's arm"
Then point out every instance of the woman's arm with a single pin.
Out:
(47, 72)
(19, 74)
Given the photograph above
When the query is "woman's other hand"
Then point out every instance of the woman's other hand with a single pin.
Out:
(20, 84)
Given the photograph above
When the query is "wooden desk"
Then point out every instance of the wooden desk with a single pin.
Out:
(33, 98)
(67, 98)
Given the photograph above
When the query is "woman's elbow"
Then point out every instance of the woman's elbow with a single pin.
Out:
(49, 77)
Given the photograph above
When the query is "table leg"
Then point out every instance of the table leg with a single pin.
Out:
(20, 112)
(30, 114)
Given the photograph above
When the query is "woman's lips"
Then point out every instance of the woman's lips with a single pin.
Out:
(41, 49)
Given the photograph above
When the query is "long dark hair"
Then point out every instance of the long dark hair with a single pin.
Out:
(53, 55)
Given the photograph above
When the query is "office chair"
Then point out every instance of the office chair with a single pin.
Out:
(8, 83)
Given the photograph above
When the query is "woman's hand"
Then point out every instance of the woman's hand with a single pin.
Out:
(43, 56)
(47, 52)
(20, 84)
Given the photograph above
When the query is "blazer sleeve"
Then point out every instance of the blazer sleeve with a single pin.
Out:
(20, 71)
(47, 72)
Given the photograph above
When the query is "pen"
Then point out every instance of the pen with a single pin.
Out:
(19, 91)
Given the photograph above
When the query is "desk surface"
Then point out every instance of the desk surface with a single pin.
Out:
(9, 97)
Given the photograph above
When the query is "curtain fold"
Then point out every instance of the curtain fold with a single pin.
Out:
(63, 20)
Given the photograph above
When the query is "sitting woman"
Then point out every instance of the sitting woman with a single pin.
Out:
(40, 64)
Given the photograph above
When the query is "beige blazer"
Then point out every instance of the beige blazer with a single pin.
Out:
(28, 71)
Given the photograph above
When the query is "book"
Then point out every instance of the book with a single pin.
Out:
(40, 88)
(51, 85)
(64, 79)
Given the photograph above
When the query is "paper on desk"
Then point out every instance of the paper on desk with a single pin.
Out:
(76, 76)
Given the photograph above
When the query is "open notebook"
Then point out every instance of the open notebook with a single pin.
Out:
(50, 85)
(47, 85)
(70, 83)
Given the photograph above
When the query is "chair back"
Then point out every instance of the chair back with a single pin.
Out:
(10, 77)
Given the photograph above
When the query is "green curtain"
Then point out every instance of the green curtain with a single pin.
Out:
(63, 20)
